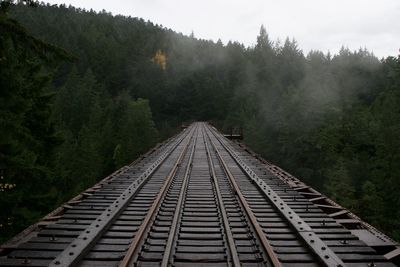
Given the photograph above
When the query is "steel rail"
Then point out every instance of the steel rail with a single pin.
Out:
(174, 225)
(131, 254)
(81, 245)
(228, 232)
(325, 255)
(260, 233)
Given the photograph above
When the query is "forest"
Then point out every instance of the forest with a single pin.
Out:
(83, 93)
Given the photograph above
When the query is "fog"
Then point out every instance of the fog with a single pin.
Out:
(315, 24)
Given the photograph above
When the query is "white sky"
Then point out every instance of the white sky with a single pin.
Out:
(316, 24)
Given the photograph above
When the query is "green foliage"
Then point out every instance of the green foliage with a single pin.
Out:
(101, 133)
(27, 136)
(371, 204)
(55, 143)
(339, 185)
(136, 130)
(333, 121)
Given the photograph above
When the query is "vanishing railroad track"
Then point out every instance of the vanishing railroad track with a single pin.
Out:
(200, 200)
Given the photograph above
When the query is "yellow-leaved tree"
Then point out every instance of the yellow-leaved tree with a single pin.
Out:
(160, 59)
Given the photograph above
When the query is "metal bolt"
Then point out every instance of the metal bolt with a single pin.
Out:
(26, 261)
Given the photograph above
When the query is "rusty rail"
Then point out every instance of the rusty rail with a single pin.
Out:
(131, 254)
(264, 241)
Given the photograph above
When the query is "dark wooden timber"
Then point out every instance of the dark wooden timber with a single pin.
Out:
(201, 199)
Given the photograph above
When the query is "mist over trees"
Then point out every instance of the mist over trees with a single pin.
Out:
(331, 120)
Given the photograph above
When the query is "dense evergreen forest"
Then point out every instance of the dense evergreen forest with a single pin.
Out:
(84, 93)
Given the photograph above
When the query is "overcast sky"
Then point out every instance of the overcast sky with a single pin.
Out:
(316, 24)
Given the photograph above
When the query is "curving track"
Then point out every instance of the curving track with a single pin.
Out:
(200, 200)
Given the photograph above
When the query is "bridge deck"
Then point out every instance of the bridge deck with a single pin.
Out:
(200, 199)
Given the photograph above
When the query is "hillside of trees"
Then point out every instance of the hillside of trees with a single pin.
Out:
(84, 93)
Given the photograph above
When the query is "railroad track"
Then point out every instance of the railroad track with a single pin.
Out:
(196, 200)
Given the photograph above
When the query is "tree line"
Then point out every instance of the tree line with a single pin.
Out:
(117, 85)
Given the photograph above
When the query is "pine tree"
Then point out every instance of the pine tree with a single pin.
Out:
(339, 185)
(27, 136)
